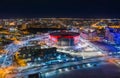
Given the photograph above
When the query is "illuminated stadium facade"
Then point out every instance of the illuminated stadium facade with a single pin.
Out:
(65, 38)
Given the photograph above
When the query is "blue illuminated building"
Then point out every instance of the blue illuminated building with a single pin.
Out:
(113, 35)
(117, 38)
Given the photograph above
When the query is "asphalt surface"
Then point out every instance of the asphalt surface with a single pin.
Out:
(103, 71)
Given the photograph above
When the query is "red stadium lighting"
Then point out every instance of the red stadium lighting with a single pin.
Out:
(66, 38)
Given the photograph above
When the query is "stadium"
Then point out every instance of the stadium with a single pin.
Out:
(64, 38)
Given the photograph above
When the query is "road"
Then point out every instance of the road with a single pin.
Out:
(58, 68)
(51, 68)
(12, 48)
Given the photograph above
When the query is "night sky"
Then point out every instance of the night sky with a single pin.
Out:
(60, 8)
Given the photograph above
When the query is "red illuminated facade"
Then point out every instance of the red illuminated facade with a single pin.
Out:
(71, 38)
